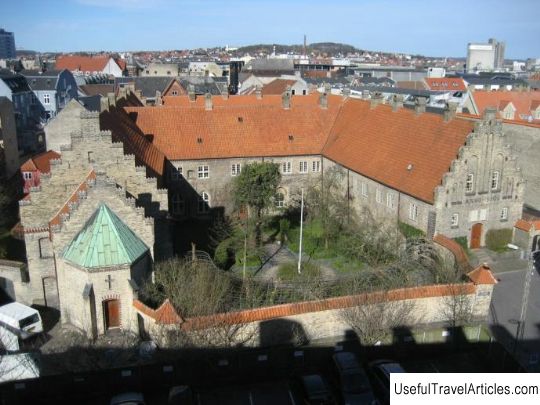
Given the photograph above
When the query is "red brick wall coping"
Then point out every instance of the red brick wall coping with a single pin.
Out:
(166, 314)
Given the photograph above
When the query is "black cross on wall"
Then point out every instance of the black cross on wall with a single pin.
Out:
(109, 280)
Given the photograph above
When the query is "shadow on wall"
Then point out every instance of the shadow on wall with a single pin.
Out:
(282, 331)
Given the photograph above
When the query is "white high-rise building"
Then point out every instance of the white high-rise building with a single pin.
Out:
(485, 57)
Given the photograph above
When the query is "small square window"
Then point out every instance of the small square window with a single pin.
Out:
(504, 214)
(235, 169)
(203, 172)
(454, 221)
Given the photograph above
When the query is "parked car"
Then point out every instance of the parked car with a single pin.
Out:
(316, 391)
(128, 398)
(381, 370)
(353, 380)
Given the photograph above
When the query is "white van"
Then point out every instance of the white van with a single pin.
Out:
(20, 319)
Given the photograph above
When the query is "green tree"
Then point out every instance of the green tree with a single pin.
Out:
(256, 187)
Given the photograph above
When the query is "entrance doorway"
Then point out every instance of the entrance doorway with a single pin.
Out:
(111, 309)
(476, 236)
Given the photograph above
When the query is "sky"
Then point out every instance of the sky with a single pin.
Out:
(432, 28)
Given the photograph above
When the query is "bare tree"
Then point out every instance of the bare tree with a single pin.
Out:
(457, 306)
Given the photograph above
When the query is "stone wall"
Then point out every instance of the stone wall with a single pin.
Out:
(14, 281)
(325, 319)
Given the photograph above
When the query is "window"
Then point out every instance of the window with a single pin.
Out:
(177, 204)
(27, 175)
(316, 166)
(378, 196)
(235, 169)
(495, 180)
(286, 168)
(504, 214)
(483, 214)
(202, 172)
(280, 200)
(204, 203)
(469, 183)
(390, 200)
(303, 167)
(364, 189)
(293, 92)
(454, 222)
(473, 216)
(46, 99)
(174, 92)
(176, 173)
(413, 212)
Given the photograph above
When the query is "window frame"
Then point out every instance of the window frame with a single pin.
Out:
(203, 204)
(236, 169)
(46, 98)
(303, 166)
(495, 180)
(286, 167)
(469, 183)
(504, 214)
(280, 202)
(203, 172)
(364, 189)
(454, 220)
(378, 196)
(390, 200)
(316, 166)
(413, 211)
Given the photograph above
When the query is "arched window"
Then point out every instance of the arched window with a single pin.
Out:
(177, 204)
(280, 200)
(204, 203)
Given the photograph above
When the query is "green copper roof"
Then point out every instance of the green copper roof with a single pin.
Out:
(104, 241)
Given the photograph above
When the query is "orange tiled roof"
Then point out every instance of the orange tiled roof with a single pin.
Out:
(40, 162)
(382, 144)
(238, 126)
(445, 83)
(523, 101)
(482, 275)
(82, 63)
(455, 248)
(527, 225)
(277, 87)
(135, 142)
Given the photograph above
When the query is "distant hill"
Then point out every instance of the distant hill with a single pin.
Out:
(321, 48)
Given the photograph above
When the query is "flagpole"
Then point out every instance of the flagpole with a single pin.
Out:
(301, 230)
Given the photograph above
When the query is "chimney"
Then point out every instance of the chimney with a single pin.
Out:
(450, 111)
(327, 88)
(490, 113)
(376, 99)
(420, 105)
(159, 100)
(323, 100)
(191, 92)
(208, 102)
(258, 92)
(397, 102)
(366, 95)
(286, 100)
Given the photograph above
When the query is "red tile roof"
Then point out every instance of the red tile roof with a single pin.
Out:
(523, 101)
(482, 275)
(40, 162)
(445, 83)
(455, 248)
(238, 126)
(527, 225)
(82, 63)
(277, 87)
(382, 144)
(135, 142)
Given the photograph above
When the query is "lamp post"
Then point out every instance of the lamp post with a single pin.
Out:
(301, 231)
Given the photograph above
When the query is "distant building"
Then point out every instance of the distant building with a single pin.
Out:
(7, 45)
(53, 88)
(91, 65)
(485, 57)
(33, 168)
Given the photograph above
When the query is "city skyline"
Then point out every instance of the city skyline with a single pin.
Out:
(131, 25)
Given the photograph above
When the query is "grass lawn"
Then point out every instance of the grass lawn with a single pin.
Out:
(289, 271)
(310, 245)
(344, 265)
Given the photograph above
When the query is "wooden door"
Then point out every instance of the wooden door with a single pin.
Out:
(476, 235)
(112, 313)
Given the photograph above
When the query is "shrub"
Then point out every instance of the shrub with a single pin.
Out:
(284, 226)
(497, 239)
(410, 231)
(224, 254)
